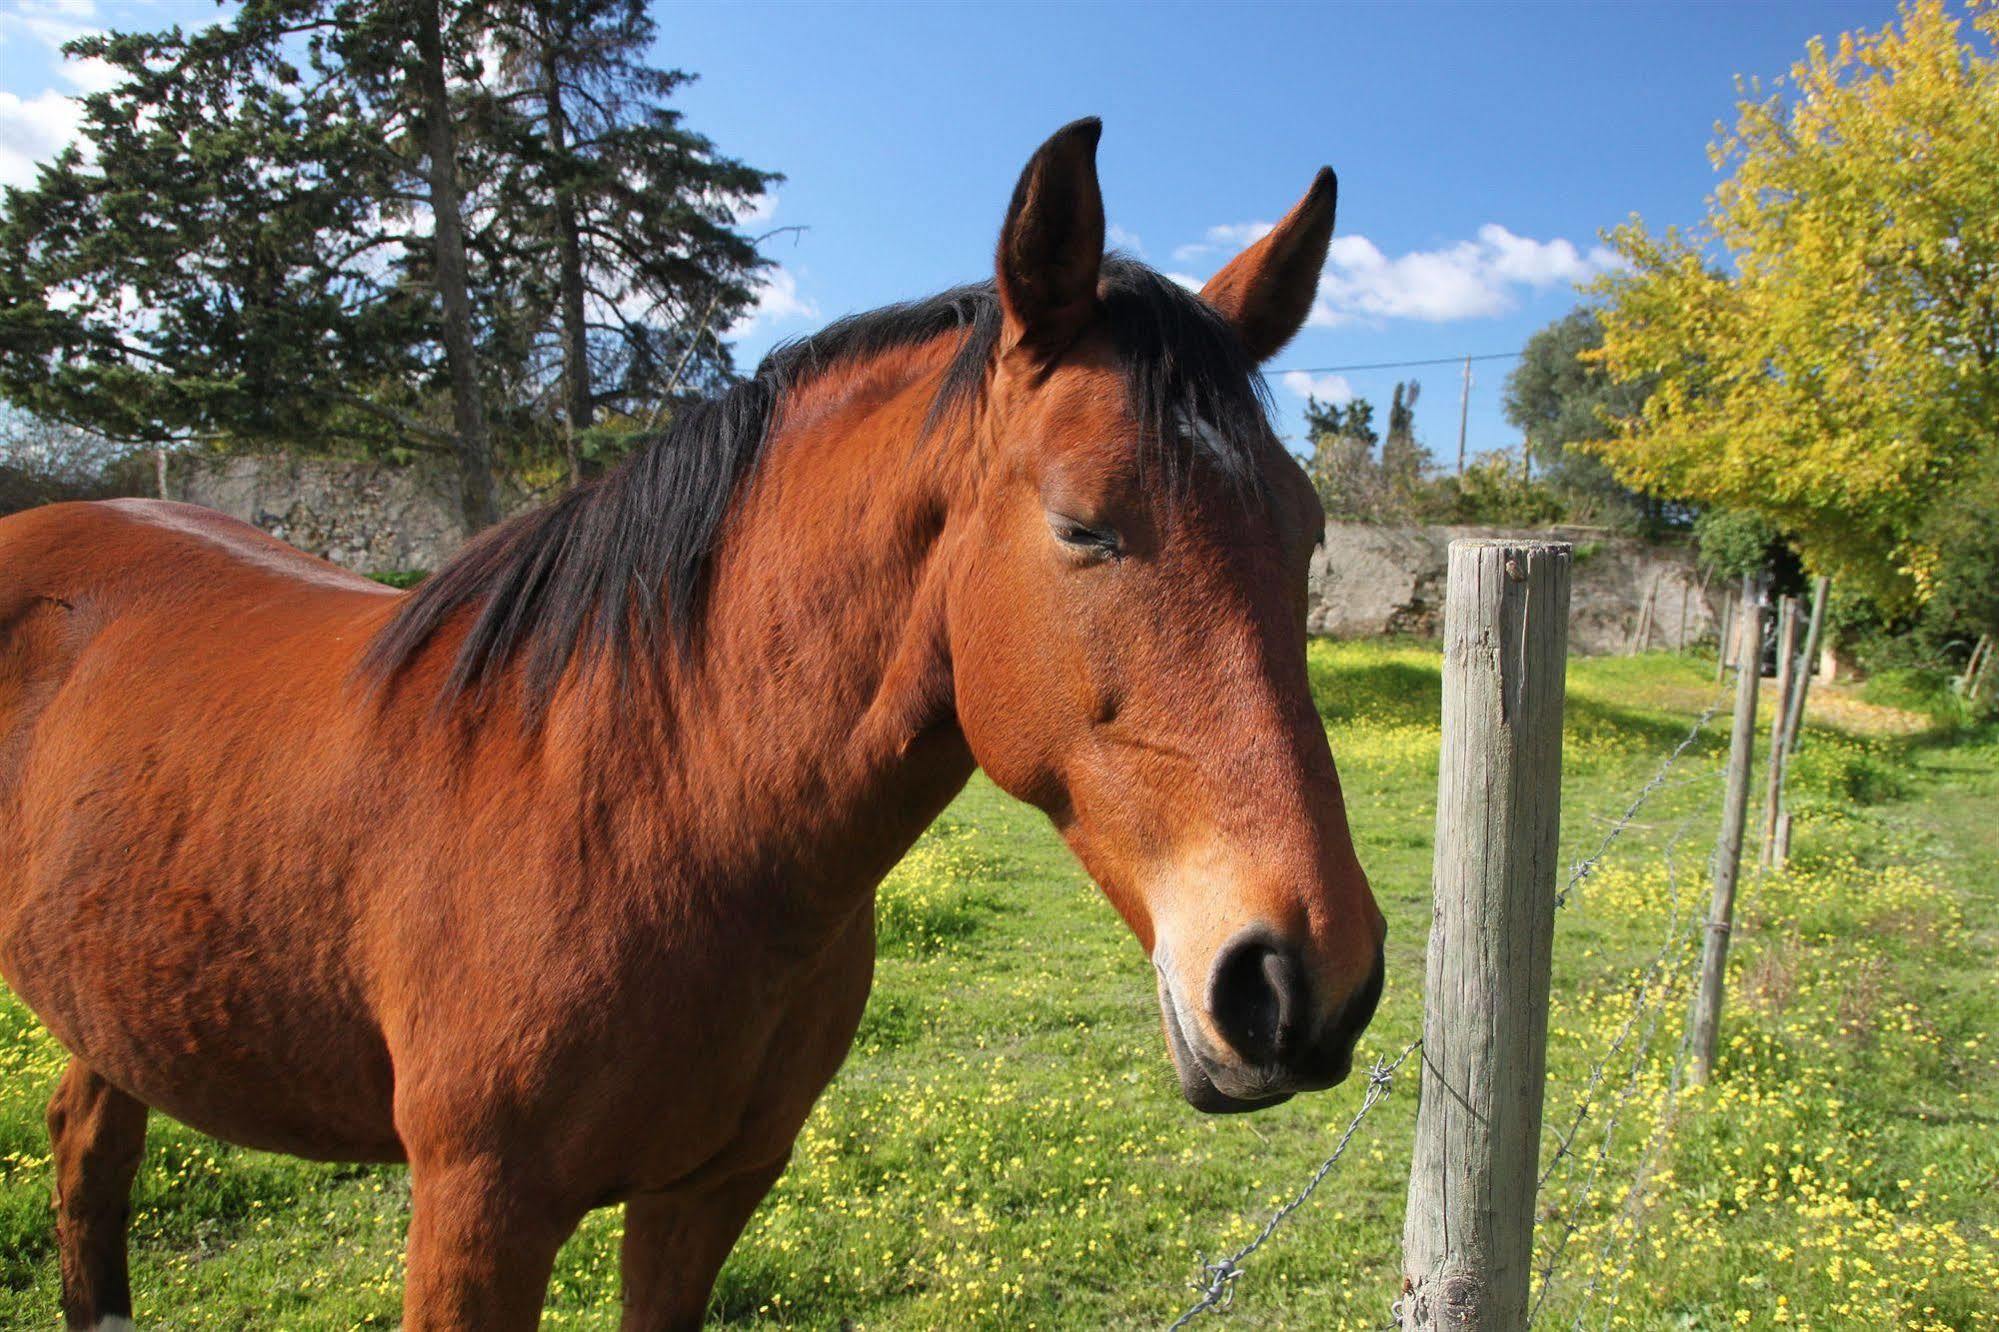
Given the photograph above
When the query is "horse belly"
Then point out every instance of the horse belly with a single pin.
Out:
(187, 942)
(197, 1023)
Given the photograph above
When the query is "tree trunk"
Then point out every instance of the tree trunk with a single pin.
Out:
(471, 441)
(576, 385)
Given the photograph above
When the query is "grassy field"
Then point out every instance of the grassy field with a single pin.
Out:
(1005, 1148)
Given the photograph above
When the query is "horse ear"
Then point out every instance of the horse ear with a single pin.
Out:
(1268, 289)
(1052, 245)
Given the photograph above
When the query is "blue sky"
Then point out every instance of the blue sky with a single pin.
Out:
(1481, 148)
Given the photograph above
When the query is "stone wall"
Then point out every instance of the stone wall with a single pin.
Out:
(1369, 580)
(365, 516)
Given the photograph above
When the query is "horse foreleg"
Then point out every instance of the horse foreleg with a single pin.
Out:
(99, 1136)
(482, 1243)
(675, 1244)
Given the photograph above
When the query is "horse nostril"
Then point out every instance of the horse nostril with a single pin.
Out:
(1256, 996)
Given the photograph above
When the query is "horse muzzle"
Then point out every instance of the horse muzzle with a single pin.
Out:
(1258, 1002)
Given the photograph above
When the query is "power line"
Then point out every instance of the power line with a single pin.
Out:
(1391, 365)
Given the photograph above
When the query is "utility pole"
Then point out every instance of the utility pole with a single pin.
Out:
(1464, 410)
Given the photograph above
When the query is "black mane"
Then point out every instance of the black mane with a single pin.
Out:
(586, 573)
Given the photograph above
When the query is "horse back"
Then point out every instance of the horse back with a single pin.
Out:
(69, 572)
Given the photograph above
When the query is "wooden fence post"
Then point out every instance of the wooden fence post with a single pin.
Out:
(1721, 647)
(1641, 633)
(1469, 1235)
(1794, 720)
(1780, 739)
(1705, 1021)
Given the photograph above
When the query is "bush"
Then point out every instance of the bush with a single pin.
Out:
(26, 487)
(403, 578)
(1492, 490)
(1930, 691)
(1841, 771)
(1734, 543)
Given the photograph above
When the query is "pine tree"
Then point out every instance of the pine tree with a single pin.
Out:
(1402, 458)
(641, 292)
(327, 223)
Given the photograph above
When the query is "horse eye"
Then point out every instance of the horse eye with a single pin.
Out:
(1096, 540)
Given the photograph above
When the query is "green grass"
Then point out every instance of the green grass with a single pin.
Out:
(1005, 1147)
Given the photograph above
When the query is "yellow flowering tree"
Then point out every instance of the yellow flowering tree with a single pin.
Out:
(1825, 347)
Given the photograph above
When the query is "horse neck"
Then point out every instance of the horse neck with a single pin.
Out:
(812, 725)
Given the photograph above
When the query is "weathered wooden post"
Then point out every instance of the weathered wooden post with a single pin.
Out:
(1794, 720)
(1704, 1024)
(1641, 632)
(1722, 644)
(1780, 740)
(1469, 1237)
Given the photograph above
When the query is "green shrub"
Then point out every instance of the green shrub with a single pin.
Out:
(1734, 543)
(1929, 691)
(1842, 771)
(404, 578)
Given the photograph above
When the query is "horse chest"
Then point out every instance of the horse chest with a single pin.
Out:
(732, 1081)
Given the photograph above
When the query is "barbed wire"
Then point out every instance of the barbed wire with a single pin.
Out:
(1218, 1289)
(1626, 1205)
(1218, 1286)
(1679, 932)
(1585, 867)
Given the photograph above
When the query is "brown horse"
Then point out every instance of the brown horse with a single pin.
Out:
(555, 878)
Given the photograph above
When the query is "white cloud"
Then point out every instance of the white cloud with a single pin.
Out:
(778, 302)
(1472, 279)
(92, 75)
(1326, 388)
(1542, 263)
(1187, 280)
(33, 130)
(1227, 237)
(757, 208)
(1432, 285)
(1240, 235)
(1469, 280)
(1121, 239)
(51, 22)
